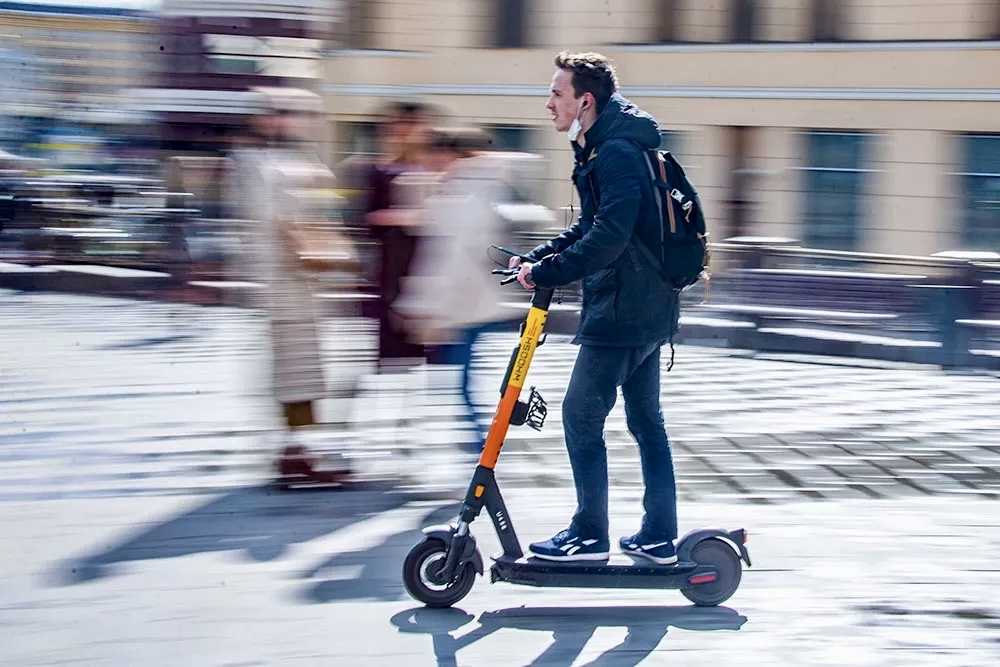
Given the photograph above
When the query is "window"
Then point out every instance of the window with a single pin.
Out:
(511, 28)
(981, 191)
(834, 189)
(234, 65)
(666, 21)
(361, 138)
(739, 203)
(359, 28)
(511, 138)
(743, 21)
(826, 21)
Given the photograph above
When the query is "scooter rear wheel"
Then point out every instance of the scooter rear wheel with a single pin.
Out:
(419, 570)
(717, 554)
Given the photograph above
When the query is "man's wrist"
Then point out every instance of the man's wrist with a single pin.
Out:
(530, 276)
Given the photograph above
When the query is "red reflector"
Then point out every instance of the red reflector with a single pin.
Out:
(702, 579)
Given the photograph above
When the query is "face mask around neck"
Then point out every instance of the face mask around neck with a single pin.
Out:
(574, 130)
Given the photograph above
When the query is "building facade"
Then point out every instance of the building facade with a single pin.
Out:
(868, 125)
(212, 52)
(78, 59)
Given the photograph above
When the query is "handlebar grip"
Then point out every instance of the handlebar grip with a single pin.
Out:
(509, 280)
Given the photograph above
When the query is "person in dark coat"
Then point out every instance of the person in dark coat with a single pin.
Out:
(627, 314)
(390, 220)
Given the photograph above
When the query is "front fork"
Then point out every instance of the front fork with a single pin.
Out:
(483, 492)
(456, 550)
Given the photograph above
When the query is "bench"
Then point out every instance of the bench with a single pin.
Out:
(857, 299)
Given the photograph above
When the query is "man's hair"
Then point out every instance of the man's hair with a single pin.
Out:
(592, 73)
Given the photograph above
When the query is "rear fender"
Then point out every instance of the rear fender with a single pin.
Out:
(736, 538)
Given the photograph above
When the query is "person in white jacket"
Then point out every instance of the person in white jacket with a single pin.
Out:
(451, 297)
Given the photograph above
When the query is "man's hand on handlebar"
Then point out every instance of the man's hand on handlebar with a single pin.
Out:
(524, 275)
(518, 270)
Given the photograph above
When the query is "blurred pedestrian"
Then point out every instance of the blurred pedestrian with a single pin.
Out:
(451, 297)
(390, 216)
(282, 194)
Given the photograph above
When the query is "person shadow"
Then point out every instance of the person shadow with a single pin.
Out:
(372, 573)
(571, 629)
(257, 521)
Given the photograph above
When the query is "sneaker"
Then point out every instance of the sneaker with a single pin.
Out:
(661, 552)
(569, 545)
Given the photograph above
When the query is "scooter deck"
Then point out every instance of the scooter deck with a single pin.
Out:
(532, 571)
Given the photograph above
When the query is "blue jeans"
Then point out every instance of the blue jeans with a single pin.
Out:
(590, 396)
(460, 354)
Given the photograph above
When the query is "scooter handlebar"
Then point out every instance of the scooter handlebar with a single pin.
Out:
(510, 273)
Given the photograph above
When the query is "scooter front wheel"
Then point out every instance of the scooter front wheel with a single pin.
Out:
(720, 555)
(420, 575)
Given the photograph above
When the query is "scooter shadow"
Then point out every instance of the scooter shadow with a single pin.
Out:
(571, 628)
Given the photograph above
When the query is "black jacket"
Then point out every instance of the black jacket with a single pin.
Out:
(625, 302)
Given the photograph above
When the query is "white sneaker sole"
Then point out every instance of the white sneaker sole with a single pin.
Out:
(578, 557)
(669, 560)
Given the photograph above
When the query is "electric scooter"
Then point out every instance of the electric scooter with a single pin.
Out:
(441, 569)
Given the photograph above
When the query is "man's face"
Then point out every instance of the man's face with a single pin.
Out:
(561, 103)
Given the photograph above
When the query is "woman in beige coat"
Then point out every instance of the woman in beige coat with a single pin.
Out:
(282, 197)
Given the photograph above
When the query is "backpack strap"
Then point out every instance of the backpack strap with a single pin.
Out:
(656, 190)
(646, 252)
(670, 204)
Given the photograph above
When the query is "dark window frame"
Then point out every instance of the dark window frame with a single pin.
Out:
(834, 181)
(510, 137)
(511, 24)
(826, 21)
(980, 178)
(666, 28)
(744, 21)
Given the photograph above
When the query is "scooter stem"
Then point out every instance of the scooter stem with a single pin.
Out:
(531, 333)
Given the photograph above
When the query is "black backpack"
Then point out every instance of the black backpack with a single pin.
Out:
(684, 257)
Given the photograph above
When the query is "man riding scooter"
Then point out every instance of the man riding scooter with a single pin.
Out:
(627, 313)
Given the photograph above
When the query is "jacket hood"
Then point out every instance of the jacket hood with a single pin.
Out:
(623, 120)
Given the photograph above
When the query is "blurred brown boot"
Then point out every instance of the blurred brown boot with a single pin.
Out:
(296, 468)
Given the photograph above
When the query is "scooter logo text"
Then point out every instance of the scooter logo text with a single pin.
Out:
(527, 349)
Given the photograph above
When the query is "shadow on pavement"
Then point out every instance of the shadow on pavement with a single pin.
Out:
(571, 628)
(254, 520)
(375, 573)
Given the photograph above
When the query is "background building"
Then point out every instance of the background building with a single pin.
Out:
(78, 59)
(211, 52)
(67, 70)
(853, 124)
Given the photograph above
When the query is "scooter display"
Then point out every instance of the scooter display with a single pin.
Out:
(441, 569)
